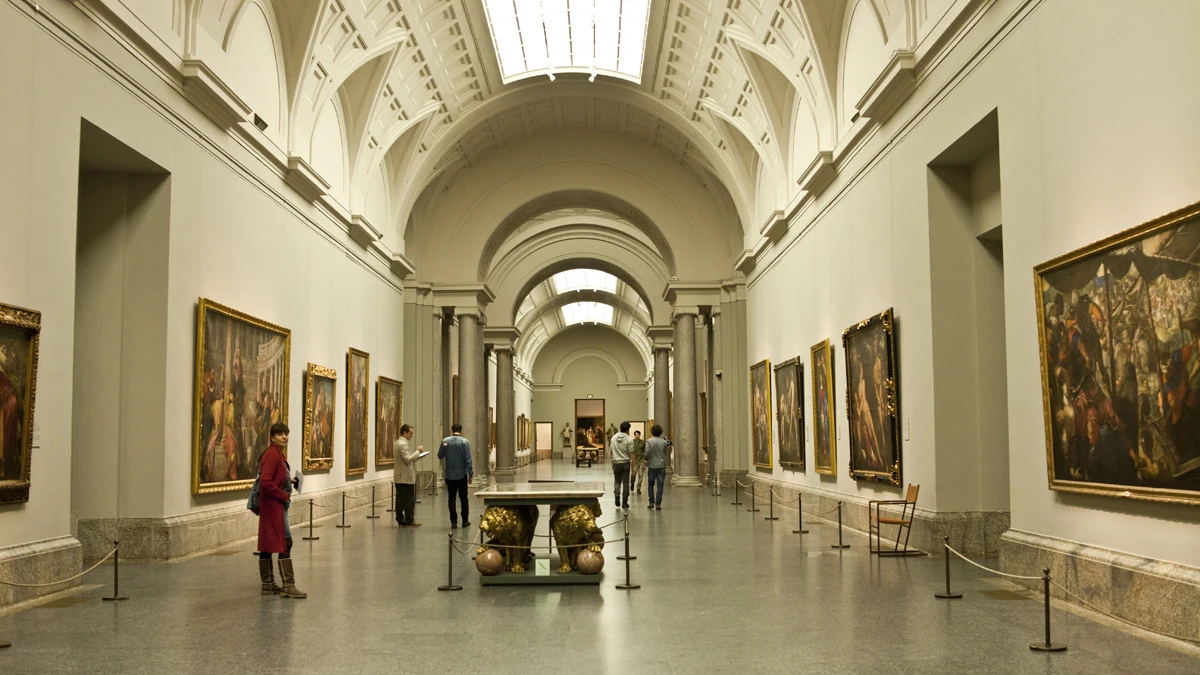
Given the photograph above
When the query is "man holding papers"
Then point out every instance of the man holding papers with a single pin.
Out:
(406, 477)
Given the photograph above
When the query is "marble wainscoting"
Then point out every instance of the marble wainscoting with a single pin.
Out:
(1155, 594)
(38, 563)
(174, 537)
(972, 533)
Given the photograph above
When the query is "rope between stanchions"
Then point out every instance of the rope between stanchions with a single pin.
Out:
(745, 485)
(1114, 616)
(988, 569)
(314, 503)
(55, 583)
(824, 513)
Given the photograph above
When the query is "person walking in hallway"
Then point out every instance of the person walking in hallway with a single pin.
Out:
(619, 448)
(406, 478)
(638, 468)
(459, 473)
(275, 493)
(656, 466)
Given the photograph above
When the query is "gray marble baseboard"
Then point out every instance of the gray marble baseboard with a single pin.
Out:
(174, 537)
(38, 563)
(1155, 594)
(972, 533)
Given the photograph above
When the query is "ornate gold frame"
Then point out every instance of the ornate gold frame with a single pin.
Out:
(28, 320)
(824, 346)
(399, 412)
(766, 365)
(797, 363)
(308, 463)
(893, 397)
(350, 354)
(1167, 495)
(202, 308)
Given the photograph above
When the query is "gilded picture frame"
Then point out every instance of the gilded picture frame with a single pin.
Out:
(320, 418)
(1119, 343)
(873, 399)
(243, 369)
(389, 415)
(824, 419)
(789, 413)
(358, 374)
(20, 344)
(760, 414)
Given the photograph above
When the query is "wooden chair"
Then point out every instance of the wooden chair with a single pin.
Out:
(903, 523)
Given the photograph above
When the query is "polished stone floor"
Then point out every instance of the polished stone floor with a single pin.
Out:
(723, 591)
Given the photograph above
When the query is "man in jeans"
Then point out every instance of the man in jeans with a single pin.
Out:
(656, 463)
(456, 450)
(619, 448)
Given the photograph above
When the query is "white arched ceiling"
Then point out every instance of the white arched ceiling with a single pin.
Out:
(865, 55)
(256, 69)
(376, 206)
(329, 149)
(581, 342)
(539, 317)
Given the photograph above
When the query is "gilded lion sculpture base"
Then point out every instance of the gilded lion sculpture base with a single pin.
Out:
(574, 529)
(506, 527)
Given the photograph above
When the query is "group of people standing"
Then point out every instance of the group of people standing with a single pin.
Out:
(634, 459)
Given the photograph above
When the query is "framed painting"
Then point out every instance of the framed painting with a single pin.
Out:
(241, 389)
(20, 340)
(1119, 345)
(320, 396)
(358, 374)
(760, 414)
(873, 399)
(789, 413)
(824, 419)
(389, 415)
(589, 427)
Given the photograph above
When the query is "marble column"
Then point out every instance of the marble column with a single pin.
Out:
(506, 410)
(662, 388)
(716, 444)
(469, 386)
(687, 451)
(483, 469)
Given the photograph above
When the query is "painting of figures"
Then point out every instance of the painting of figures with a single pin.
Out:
(760, 414)
(1119, 339)
(589, 427)
(824, 434)
(358, 374)
(789, 404)
(320, 395)
(389, 413)
(20, 335)
(241, 389)
(872, 399)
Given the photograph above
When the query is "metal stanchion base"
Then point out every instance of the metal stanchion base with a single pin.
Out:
(948, 596)
(372, 517)
(735, 503)
(449, 588)
(115, 598)
(1043, 647)
(633, 586)
(799, 531)
(342, 527)
(309, 538)
(839, 546)
(771, 518)
(627, 557)
(394, 510)
(5, 644)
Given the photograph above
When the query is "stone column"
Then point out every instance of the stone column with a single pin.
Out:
(506, 447)
(483, 470)
(687, 452)
(662, 388)
(469, 369)
(716, 444)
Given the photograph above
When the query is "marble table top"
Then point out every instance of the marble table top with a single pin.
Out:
(587, 490)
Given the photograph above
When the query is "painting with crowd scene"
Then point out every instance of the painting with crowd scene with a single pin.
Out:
(873, 399)
(789, 410)
(760, 413)
(389, 411)
(241, 389)
(824, 433)
(358, 374)
(589, 427)
(320, 397)
(20, 337)
(1119, 340)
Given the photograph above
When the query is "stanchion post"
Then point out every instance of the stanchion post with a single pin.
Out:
(737, 497)
(626, 556)
(343, 525)
(949, 594)
(392, 499)
(772, 504)
(310, 536)
(4, 644)
(753, 498)
(628, 585)
(799, 515)
(1048, 645)
(116, 596)
(450, 585)
(372, 504)
(839, 544)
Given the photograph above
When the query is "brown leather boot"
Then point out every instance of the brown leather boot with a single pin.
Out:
(288, 575)
(267, 574)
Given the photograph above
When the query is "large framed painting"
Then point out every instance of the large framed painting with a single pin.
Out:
(358, 374)
(20, 338)
(320, 399)
(873, 399)
(789, 411)
(243, 366)
(389, 414)
(1119, 341)
(589, 427)
(760, 414)
(824, 431)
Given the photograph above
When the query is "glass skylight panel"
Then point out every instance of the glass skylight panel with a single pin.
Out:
(544, 37)
(587, 312)
(583, 279)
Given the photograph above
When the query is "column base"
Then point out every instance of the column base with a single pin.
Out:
(500, 472)
(686, 481)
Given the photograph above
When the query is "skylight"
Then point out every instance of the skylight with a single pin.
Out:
(591, 312)
(544, 37)
(582, 279)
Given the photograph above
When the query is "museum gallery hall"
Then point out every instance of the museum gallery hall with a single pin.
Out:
(619, 336)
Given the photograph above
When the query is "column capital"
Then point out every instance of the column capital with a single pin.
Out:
(501, 338)
(661, 337)
(684, 310)
(463, 297)
(733, 290)
(418, 292)
(693, 293)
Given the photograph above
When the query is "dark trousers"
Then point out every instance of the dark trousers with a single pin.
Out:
(621, 483)
(657, 477)
(458, 487)
(406, 503)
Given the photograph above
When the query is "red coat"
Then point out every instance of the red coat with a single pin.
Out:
(272, 496)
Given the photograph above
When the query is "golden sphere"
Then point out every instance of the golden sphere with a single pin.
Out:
(490, 562)
(589, 562)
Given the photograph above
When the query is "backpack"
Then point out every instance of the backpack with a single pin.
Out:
(252, 502)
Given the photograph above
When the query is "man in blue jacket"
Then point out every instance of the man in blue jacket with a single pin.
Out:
(456, 450)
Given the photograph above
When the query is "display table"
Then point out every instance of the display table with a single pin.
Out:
(515, 518)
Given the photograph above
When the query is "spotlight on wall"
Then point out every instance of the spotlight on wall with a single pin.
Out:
(260, 122)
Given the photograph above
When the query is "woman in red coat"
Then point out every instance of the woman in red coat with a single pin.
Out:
(274, 494)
